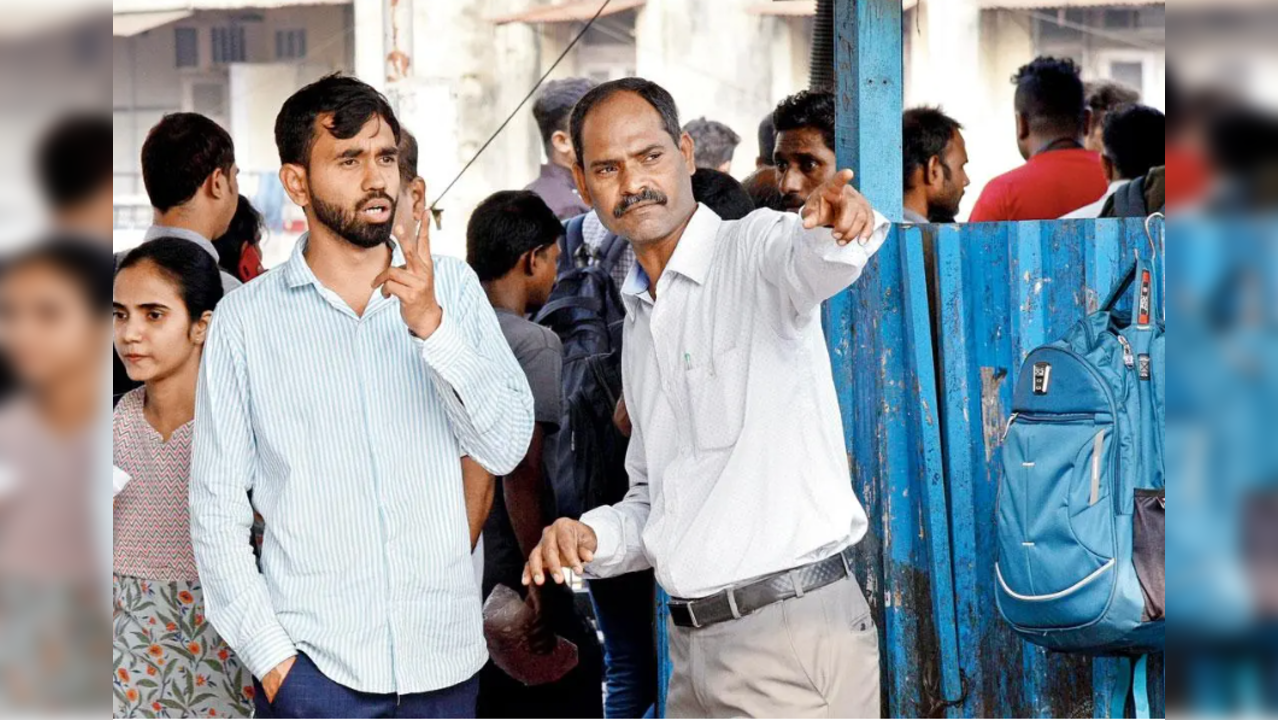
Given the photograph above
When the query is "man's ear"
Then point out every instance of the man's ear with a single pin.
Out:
(934, 173)
(418, 192)
(217, 184)
(688, 147)
(579, 176)
(296, 184)
(1107, 166)
(200, 328)
(562, 143)
(1022, 127)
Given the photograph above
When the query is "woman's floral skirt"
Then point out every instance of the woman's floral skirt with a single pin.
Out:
(168, 660)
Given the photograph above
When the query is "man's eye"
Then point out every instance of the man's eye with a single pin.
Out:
(654, 156)
(118, 315)
(348, 162)
(809, 166)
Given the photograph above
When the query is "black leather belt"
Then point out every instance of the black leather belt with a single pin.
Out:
(740, 601)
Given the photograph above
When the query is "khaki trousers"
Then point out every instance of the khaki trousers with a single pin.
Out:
(811, 657)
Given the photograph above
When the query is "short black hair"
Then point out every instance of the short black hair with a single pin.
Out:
(654, 94)
(191, 270)
(408, 152)
(179, 154)
(504, 227)
(721, 193)
(246, 227)
(926, 132)
(554, 106)
(767, 139)
(351, 102)
(74, 159)
(90, 267)
(807, 109)
(1104, 96)
(1049, 93)
(1135, 140)
(713, 141)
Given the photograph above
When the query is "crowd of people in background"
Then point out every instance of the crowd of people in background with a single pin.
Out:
(329, 466)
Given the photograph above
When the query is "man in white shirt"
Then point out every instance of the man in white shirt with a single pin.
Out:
(740, 493)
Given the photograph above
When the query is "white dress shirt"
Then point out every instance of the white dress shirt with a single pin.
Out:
(737, 462)
(1092, 211)
(348, 432)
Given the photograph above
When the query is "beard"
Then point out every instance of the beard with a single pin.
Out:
(350, 226)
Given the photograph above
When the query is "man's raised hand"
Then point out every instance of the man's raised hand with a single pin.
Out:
(838, 205)
(414, 285)
(566, 544)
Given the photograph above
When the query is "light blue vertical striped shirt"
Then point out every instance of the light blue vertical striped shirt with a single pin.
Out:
(349, 432)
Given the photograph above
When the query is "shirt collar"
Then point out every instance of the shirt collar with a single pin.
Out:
(298, 273)
(162, 231)
(695, 251)
(691, 258)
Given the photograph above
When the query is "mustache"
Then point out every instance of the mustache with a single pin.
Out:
(375, 195)
(645, 195)
(793, 201)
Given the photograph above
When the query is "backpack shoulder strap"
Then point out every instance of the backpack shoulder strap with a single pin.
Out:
(610, 251)
(574, 238)
(1129, 200)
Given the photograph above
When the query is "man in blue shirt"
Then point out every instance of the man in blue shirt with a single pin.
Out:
(341, 389)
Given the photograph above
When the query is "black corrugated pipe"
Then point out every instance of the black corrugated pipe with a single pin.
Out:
(821, 73)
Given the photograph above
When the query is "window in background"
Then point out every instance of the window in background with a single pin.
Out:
(187, 42)
(290, 44)
(228, 44)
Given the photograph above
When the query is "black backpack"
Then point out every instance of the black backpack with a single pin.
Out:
(587, 457)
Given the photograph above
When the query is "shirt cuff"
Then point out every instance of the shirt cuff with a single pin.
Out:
(444, 347)
(263, 653)
(607, 537)
(822, 241)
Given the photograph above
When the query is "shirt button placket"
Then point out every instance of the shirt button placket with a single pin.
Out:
(366, 350)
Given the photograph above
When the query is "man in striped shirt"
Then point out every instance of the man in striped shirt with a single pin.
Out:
(342, 388)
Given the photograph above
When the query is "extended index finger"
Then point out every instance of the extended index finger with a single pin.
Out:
(423, 237)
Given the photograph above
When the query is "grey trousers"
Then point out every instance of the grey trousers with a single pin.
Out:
(811, 657)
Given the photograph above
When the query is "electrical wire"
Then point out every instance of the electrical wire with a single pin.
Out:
(434, 206)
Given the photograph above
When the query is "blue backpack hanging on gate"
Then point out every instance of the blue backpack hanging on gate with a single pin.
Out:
(1081, 502)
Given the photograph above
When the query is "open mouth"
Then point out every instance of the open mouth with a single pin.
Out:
(376, 211)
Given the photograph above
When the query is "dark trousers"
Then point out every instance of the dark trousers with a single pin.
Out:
(625, 608)
(306, 693)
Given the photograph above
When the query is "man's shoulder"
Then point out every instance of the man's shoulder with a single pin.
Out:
(527, 338)
(246, 298)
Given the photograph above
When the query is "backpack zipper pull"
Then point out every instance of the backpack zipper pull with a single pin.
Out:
(1129, 357)
(1007, 430)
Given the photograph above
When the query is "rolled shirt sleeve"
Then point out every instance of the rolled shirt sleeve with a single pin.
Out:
(809, 266)
(482, 387)
(619, 528)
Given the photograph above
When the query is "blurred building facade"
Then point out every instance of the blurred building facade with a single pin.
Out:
(469, 64)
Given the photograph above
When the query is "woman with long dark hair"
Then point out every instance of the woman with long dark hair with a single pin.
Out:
(168, 661)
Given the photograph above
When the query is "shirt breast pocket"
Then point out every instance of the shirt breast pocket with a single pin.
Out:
(716, 394)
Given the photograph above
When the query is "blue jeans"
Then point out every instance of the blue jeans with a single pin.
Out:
(626, 609)
(306, 693)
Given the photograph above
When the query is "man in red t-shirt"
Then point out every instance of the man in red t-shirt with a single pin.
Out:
(1060, 175)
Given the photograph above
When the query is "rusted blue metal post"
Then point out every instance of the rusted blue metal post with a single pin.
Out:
(880, 341)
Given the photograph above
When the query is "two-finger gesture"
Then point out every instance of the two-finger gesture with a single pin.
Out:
(414, 285)
(838, 205)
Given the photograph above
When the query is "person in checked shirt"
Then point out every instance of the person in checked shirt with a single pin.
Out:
(341, 389)
(740, 494)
